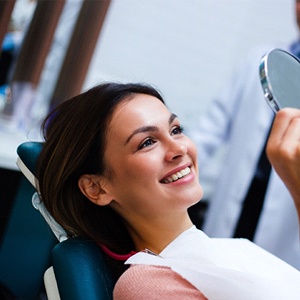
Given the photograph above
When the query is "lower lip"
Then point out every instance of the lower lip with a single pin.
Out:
(184, 180)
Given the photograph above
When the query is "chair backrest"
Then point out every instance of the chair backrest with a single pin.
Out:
(26, 246)
(79, 264)
(81, 270)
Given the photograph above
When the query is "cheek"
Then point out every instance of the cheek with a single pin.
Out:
(192, 149)
(194, 155)
(132, 169)
(144, 167)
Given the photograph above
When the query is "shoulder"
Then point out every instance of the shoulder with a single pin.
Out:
(154, 282)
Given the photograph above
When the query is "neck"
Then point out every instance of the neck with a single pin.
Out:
(155, 235)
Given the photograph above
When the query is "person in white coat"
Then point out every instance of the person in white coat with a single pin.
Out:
(240, 119)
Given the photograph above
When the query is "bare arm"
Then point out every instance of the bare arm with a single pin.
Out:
(283, 150)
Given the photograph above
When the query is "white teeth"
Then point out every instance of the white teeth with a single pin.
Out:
(174, 177)
(178, 175)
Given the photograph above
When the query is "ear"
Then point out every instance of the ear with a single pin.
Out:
(94, 188)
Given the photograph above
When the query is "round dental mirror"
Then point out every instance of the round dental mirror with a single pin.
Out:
(279, 73)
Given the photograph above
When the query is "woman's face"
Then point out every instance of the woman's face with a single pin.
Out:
(153, 164)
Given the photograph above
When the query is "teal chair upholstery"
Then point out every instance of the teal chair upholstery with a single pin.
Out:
(80, 266)
(26, 246)
(81, 271)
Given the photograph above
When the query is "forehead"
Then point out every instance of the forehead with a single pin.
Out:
(140, 110)
(131, 115)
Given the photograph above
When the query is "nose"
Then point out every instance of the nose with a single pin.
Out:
(175, 149)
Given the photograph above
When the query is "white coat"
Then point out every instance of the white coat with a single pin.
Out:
(241, 118)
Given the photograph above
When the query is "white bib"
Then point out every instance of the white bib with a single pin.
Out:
(226, 268)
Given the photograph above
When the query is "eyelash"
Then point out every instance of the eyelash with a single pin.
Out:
(145, 144)
(179, 128)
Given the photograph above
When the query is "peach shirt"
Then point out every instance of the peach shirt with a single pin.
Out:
(141, 282)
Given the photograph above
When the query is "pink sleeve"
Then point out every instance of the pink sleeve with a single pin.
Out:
(141, 282)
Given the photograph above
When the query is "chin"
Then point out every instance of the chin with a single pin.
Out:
(195, 195)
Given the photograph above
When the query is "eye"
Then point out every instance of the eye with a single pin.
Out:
(176, 130)
(146, 143)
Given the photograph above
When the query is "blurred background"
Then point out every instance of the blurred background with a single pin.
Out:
(52, 50)
(187, 49)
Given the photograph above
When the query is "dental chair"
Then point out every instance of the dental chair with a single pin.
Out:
(79, 270)
(25, 247)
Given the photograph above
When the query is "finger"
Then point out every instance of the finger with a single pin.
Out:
(281, 123)
(292, 133)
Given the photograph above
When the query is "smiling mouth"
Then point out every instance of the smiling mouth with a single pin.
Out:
(177, 175)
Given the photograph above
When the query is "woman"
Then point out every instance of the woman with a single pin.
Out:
(116, 167)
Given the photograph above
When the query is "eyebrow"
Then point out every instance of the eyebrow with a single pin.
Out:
(148, 128)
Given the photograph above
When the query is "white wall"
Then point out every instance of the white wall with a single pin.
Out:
(186, 48)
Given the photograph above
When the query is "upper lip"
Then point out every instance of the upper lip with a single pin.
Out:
(176, 170)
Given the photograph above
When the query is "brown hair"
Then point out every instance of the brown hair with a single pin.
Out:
(75, 134)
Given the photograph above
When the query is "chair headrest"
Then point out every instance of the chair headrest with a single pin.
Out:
(28, 154)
